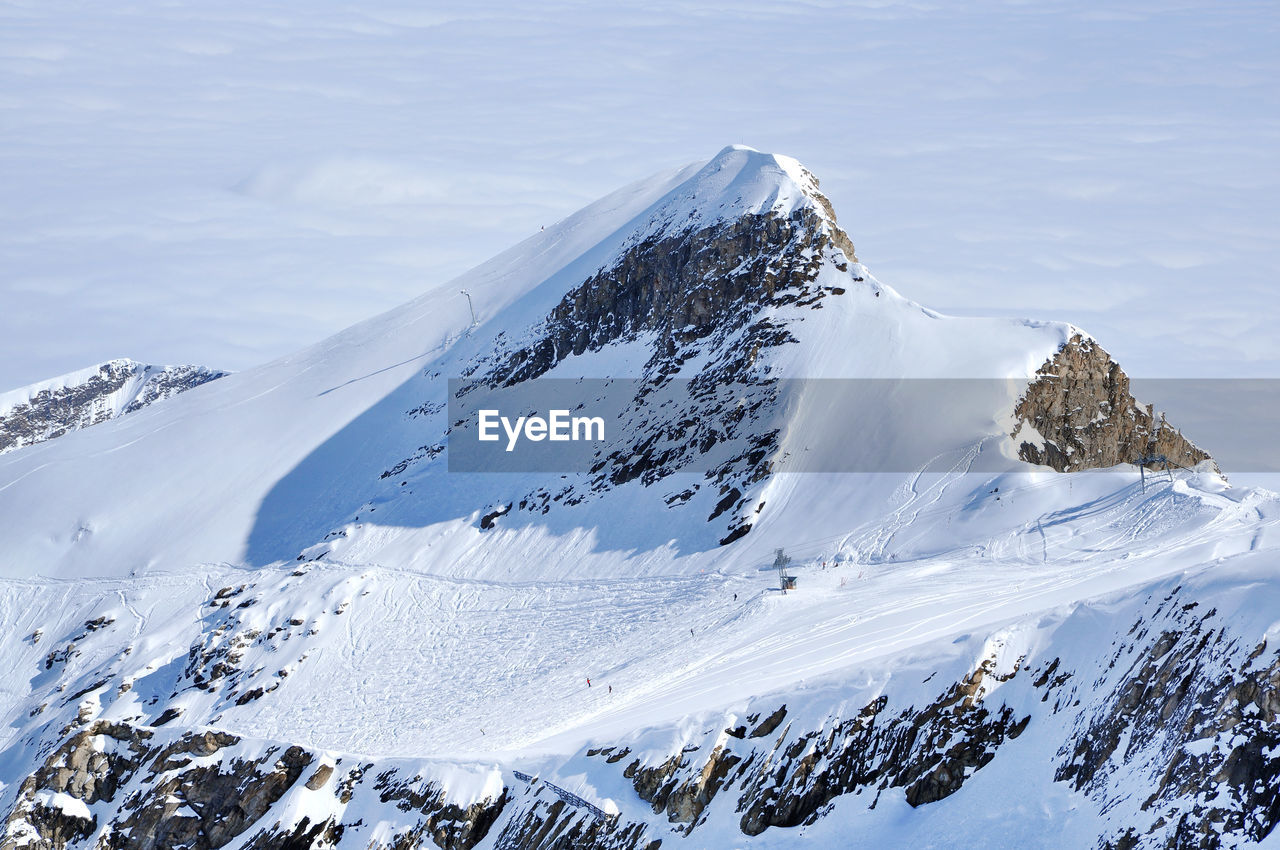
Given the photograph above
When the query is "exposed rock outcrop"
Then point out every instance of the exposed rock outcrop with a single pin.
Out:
(697, 293)
(556, 825)
(204, 807)
(684, 287)
(115, 388)
(184, 794)
(90, 766)
(1195, 714)
(1084, 416)
(450, 826)
(928, 752)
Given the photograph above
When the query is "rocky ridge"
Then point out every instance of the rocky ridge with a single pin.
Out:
(722, 295)
(118, 387)
(1082, 415)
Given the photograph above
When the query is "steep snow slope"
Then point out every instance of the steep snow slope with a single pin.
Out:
(183, 485)
(278, 583)
(395, 678)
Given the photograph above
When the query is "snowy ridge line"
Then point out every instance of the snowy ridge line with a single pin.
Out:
(90, 396)
(738, 181)
(15, 396)
(568, 796)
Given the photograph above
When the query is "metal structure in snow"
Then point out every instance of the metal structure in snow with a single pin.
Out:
(1152, 460)
(781, 562)
(469, 307)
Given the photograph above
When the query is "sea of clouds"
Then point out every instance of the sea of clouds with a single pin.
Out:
(222, 183)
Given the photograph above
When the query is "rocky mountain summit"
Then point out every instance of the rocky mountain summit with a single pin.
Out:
(709, 306)
(49, 409)
(1080, 407)
(723, 295)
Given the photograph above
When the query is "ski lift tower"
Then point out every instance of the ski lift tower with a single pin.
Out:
(1152, 460)
(471, 308)
(781, 562)
(1149, 457)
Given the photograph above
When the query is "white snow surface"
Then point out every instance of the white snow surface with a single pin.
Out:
(423, 637)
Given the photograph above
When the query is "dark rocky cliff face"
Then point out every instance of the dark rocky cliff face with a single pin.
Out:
(178, 795)
(1196, 712)
(704, 284)
(711, 293)
(1080, 404)
(118, 387)
(783, 775)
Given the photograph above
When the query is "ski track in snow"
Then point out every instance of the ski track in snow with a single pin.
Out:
(447, 667)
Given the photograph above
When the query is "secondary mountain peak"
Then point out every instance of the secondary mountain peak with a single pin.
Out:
(56, 406)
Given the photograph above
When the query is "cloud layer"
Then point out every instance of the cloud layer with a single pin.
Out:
(224, 185)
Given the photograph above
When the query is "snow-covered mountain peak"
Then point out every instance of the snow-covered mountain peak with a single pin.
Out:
(739, 277)
(737, 183)
(741, 181)
(729, 273)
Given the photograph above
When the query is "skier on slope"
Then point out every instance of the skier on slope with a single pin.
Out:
(588, 681)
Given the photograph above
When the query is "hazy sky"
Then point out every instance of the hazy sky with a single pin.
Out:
(222, 183)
